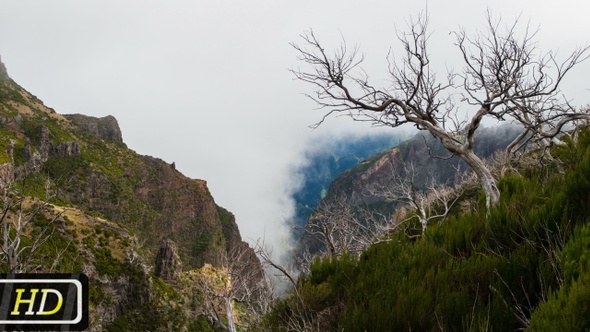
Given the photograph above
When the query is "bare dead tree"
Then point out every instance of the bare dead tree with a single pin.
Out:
(301, 317)
(17, 218)
(432, 203)
(505, 77)
(341, 226)
(265, 255)
(239, 280)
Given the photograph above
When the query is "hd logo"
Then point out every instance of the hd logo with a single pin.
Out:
(43, 302)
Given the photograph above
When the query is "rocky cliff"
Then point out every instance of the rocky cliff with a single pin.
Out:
(129, 205)
(431, 162)
(106, 128)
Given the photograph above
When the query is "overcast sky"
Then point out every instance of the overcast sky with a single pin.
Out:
(206, 84)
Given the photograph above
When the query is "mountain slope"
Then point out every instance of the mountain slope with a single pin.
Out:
(94, 170)
(108, 209)
(326, 161)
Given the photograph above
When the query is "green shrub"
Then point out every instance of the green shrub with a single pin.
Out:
(472, 271)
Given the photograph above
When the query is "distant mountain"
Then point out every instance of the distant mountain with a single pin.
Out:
(329, 159)
(426, 153)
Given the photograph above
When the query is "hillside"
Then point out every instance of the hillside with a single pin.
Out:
(328, 159)
(109, 211)
(523, 265)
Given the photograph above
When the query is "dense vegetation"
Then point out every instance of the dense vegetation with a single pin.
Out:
(524, 264)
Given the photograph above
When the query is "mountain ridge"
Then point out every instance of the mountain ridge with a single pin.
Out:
(109, 209)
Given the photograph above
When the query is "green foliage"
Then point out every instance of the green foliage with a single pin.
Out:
(60, 166)
(225, 216)
(568, 308)
(472, 272)
(201, 243)
(201, 324)
(106, 264)
(9, 92)
(165, 311)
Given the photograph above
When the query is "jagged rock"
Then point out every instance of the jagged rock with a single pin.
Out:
(106, 128)
(34, 159)
(168, 263)
(37, 156)
(143, 194)
(67, 149)
(44, 146)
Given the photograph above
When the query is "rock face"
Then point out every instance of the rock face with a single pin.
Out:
(6, 174)
(174, 220)
(168, 264)
(106, 128)
(37, 155)
(85, 156)
(67, 149)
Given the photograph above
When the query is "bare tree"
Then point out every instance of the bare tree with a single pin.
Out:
(17, 218)
(300, 317)
(340, 226)
(432, 203)
(504, 77)
(240, 280)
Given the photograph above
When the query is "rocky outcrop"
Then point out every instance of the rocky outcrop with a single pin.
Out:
(106, 128)
(6, 174)
(66, 149)
(37, 155)
(144, 193)
(168, 264)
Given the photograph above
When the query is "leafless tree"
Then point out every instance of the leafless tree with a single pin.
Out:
(504, 77)
(301, 318)
(241, 279)
(17, 218)
(432, 203)
(270, 263)
(340, 226)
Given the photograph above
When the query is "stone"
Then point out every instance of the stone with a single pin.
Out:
(168, 263)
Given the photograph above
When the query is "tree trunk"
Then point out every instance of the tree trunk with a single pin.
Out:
(231, 326)
(465, 152)
(488, 182)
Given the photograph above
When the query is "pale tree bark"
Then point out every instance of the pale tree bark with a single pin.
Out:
(239, 280)
(342, 227)
(301, 317)
(504, 77)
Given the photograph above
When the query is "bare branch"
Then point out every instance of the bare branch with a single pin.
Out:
(505, 77)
